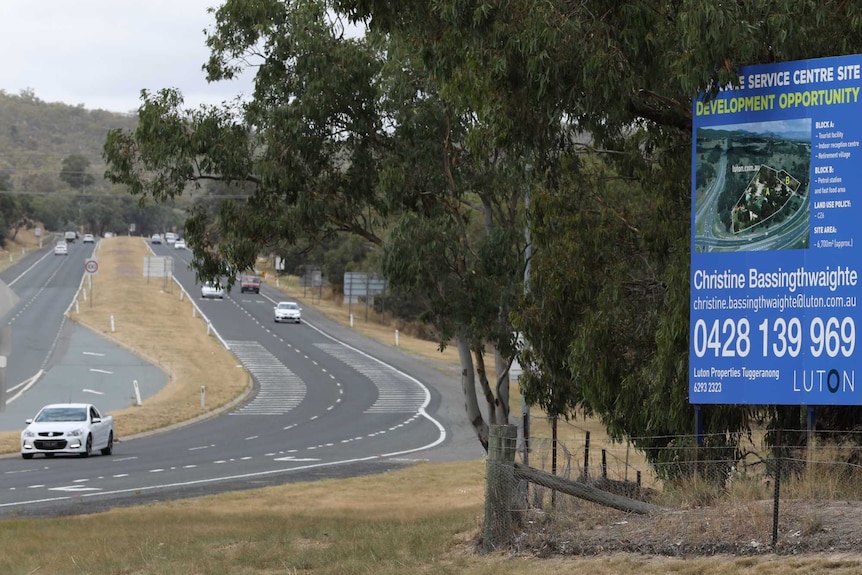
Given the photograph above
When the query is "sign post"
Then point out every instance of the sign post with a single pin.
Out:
(91, 266)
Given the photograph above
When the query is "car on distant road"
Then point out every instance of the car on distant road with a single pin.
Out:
(179, 244)
(170, 237)
(211, 290)
(249, 283)
(156, 239)
(69, 428)
(61, 249)
(288, 311)
(89, 239)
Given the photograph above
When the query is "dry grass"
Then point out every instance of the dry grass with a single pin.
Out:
(422, 519)
(25, 242)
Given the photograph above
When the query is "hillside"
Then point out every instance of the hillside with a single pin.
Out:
(35, 137)
(52, 172)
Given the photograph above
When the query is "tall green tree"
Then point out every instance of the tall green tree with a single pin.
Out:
(342, 136)
(611, 327)
(439, 119)
(75, 172)
(16, 211)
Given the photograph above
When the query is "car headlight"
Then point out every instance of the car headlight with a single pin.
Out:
(75, 433)
(28, 433)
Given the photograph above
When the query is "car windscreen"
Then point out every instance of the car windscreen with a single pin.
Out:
(62, 414)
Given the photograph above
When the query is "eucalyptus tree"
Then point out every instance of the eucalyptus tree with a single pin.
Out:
(75, 172)
(608, 304)
(300, 155)
(343, 134)
(431, 122)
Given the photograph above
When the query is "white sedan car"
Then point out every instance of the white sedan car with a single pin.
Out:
(288, 311)
(210, 290)
(70, 428)
(61, 249)
(179, 244)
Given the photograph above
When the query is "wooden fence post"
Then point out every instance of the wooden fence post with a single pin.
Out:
(586, 472)
(499, 486)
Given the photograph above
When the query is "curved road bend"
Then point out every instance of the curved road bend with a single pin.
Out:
(328, 403)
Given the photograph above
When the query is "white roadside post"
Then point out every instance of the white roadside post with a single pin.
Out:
(5, 350)
(203, 397)
(137, 391)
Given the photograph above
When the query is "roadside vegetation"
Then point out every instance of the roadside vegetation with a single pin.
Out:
(425, 518)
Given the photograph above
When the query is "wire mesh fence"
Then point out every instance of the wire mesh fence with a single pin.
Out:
(704, 495)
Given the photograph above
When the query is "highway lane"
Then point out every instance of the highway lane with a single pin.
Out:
(328, 402)
(53, 359)
(49, 283)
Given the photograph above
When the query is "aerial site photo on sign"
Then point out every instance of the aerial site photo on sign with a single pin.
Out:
(776, 164)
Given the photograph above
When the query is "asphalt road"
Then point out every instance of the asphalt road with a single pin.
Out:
(327, 403)
(52, 359)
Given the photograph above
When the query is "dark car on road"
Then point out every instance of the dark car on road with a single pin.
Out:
(249, 283)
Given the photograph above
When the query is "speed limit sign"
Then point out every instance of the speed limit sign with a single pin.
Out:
(91, 266)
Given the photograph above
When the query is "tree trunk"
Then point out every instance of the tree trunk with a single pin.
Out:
(490, 399)
(502, 371)
(468, 384)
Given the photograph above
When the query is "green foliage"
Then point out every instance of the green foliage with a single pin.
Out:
(301, 153)
(422, 137)
(75, 172)
(36, 137)
(345, 253)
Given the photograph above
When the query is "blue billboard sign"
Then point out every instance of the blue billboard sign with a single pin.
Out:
(775, 262)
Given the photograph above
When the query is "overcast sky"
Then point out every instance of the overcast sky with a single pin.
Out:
(102, 53)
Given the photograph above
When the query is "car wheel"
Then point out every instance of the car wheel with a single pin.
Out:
(109, 449)
(27, 455)
(88, 447)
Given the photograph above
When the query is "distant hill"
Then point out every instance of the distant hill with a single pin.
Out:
(36, 136)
